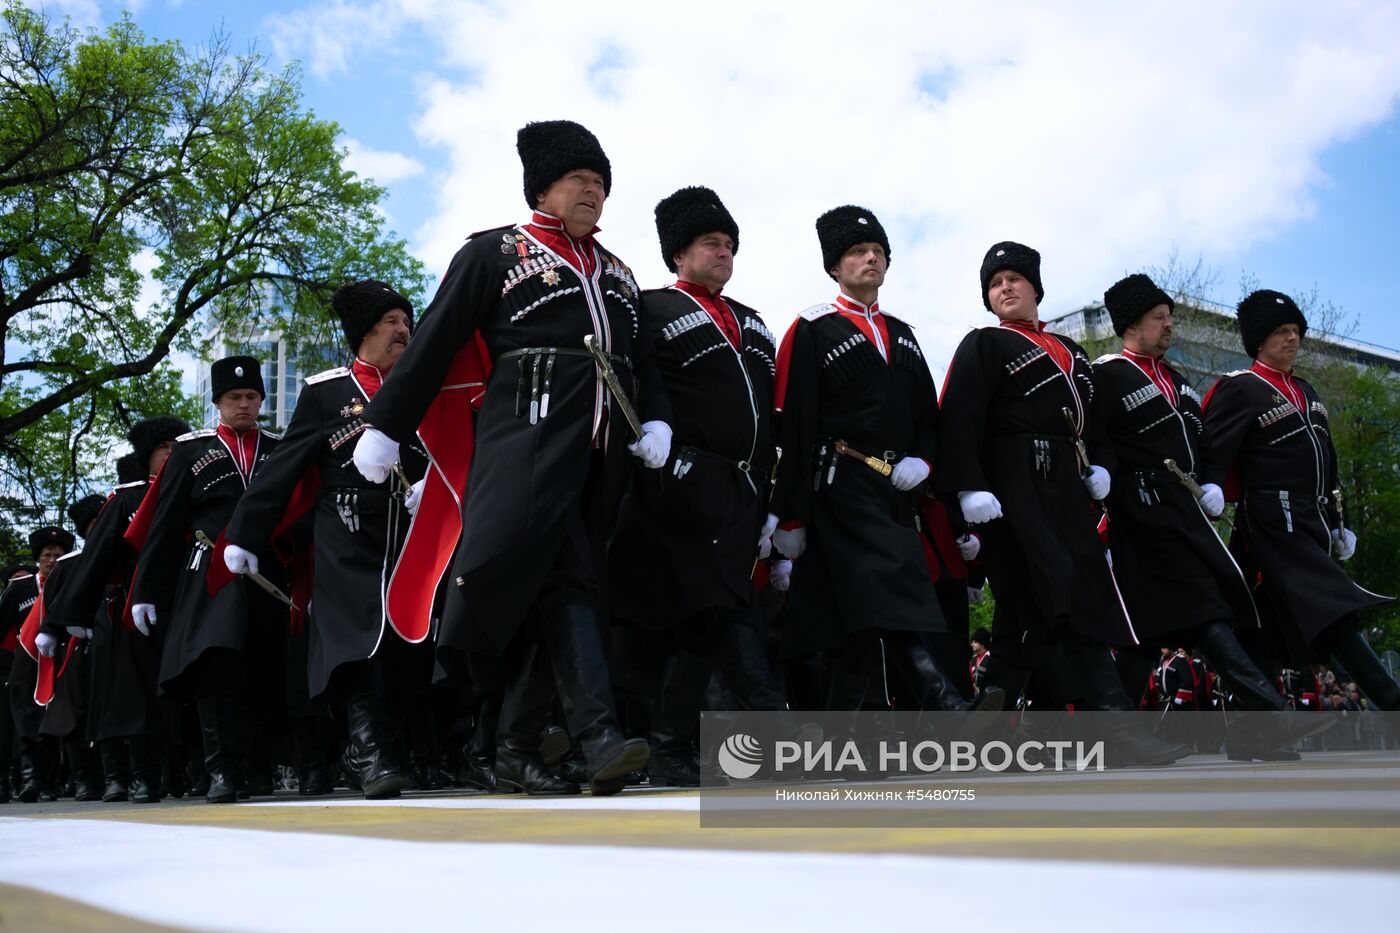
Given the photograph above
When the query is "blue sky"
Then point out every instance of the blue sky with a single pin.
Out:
(1265, 142)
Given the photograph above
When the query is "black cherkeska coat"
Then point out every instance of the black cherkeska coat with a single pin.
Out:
(198, 489)
(1004, 431)
(687, 535)
(359, 525)
(15, 603)
(1172, 568)
(125, 664)
(1282, 460)
(864, 565)
(536, 430)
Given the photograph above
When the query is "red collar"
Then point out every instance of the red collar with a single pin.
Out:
(368, 376)
(1283, 381)
(581, 253)
(716, 307)
(1037, 334)
(868, 320)
(847, 303)
(1155, 370)
(244, 447)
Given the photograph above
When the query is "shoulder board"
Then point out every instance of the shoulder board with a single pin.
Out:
(816, 311)
(68, 555)
(139, 482)
(1108, 357)
(272, 434)
(328, 375)
(23, 576)
(1236, 372)
(896, 317)
(473, 236)
(196, 435)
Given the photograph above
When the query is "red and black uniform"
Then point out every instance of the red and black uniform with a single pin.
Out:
(359, 526)
(1004, 429)
(197, 490)
(1272, 429)
(19, 668)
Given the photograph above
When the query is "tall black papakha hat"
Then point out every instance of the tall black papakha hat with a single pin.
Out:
(689, 213)
(360, 305)
(84, 511)
(41, 538)
(843, 227)
(1264, 311)
(1014, 256)
(132, 468)
(235, 372)
(145, 436)
(550, 149)
(1129, 298)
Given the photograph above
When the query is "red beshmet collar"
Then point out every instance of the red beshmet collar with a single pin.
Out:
(868, 320)
(580, 253)
(368, 376)
(244, 446)
(1155, 371)
(717, 308)
(1282, 381)
(1047, 342)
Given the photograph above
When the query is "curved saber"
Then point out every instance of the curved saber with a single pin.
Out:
(253, 575)
(605, 369)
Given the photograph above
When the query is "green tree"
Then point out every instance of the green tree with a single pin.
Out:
(118, 153)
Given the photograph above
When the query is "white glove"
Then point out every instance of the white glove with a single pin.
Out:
(780, 575)
(78, 631)
(654, 446)
(1212, 500)
(1097, 482)
(46, 644)
(969, 546)
(792, 543)
(979, 506)
(1345, 539)
(415, 496)
(765, 536)
(908, 473)
(144, 615)
(238, 560)
(375, 455)
(974, 594)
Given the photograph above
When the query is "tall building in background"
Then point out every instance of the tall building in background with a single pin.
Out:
(282, 371)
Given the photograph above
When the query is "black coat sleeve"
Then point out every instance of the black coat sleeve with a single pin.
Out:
(103, 549)
(963, 420)
(653, 404)
(1229, 417)
(167, 545)
(265, 500)
(797, 428)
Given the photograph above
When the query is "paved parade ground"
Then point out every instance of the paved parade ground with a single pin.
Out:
(450, 860)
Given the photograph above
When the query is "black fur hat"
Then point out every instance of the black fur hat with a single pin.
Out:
(843, 227)
(982, 637)
(1128, 299)
(131, 468)
(41, 538)
(1009, 255)
(84, 511)
(360, 305)
(235, 372)
(689, 213)
(1263, 312)
(145, 437)
(550, 149)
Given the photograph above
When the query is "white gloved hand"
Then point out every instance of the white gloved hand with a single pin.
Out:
(238, 560)
(792, 542)
(1097, 482)
(654, 446)
(974, 594)
(415, 496)
(1212, 500)
(908, 473)
(765, 536)
(780, 575)
(144, 615)
(979, 506)
(375, 455)
(1345, 540)
(969, 546)
(78, 631)
(46, 645)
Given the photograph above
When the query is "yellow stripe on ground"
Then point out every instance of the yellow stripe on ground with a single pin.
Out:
(27, 909)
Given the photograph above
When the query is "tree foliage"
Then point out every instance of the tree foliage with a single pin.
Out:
(152, 197)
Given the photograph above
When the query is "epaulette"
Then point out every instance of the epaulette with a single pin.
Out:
(1109, 356)
(196, 435)
(895, 317)
(68, 555)
(473, 236)
(816, 311)
(328, 375)
(139, 482)
(272, 434)
(1236, 372)
(15, 579)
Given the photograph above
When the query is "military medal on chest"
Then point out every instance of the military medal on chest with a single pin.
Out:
(354, 409)
(550, 277)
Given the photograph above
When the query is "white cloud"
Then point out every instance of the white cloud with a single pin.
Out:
(1102, 134)
(333, 37)
(84, 14)
(382, 166)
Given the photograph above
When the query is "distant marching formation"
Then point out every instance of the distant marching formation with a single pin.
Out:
(796, 527)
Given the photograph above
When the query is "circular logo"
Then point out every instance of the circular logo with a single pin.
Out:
(740, 756)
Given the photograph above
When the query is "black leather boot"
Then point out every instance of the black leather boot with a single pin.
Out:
(676, 720)
(313, 734)
(479, 754)
(369, 753)
(744, 664)
(145, 768)
(29, 782)
(575, 656)
(218, 727)
(1360, 661)
(525, 708)
(114, 770)
(37, 764)
(909, 655)
(1128, 744)
(85, 770)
